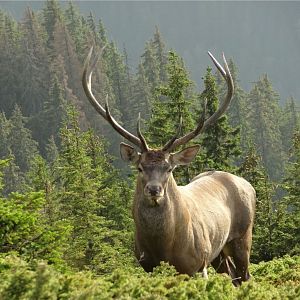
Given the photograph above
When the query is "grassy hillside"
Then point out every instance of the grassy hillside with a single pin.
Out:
(277, 279)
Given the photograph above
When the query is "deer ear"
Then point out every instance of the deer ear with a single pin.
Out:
(185, 156)
(128, 153)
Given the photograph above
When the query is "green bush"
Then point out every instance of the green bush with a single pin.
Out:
(278, 279)
(25, 229)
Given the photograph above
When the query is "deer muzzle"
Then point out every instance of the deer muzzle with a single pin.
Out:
(154, 191)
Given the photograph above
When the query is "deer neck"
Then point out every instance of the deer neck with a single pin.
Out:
(159, 221)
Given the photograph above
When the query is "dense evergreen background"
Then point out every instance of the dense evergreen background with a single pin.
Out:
(63, 198)
(261, 36)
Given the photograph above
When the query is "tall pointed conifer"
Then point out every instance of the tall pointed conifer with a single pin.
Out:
(263, 116)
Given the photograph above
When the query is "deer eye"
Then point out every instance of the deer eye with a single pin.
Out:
(170, 170)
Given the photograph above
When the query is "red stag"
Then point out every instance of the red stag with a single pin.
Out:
(208, 221)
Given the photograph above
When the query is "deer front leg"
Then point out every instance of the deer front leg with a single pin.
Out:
(144, 259)
(204, 270)
(204, 273)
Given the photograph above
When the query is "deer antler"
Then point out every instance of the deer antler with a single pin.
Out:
(202, 124)
(105, 113)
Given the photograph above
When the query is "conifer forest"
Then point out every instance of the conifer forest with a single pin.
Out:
(66, 197)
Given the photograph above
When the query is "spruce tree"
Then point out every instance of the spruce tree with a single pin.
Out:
(35, 71)
(5, 128)
(52, 14)
(102, 33)
(14, 179)
(116, 72)
(171, 102)
(220, 142)
(76, 28)
(96, 32)
(89, 196)
(263, 116)
(103, 86)
(290, 122)
(35, 75)
(271, 217)
(64, 47)
(252, 170)
(20, 141)
(55, 109)
(41, 177)
(25, 228)
(141, 94)
(292, 187)
(10, 65)
(51, 150)
(161, 54)
(151, 66)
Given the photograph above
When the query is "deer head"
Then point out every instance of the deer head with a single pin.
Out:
(155, 166)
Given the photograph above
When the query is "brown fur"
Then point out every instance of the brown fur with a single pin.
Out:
(203, 222)
(152, 157)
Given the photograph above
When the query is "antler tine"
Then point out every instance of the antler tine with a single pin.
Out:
(168, 145)
(217, 64)
(140, 136)
(230, 89)
(202, 124)
(87, 83)
(105, 113)
(126, 134)
(185, 139)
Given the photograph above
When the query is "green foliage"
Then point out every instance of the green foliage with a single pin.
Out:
(10, 76)
(35, 68)
(220, 142)
(151, 66)
(159, 49)
(170, 103)
(291, 200)
(25, 229)
(82, 188)
(279, 271)
(273, 234)
(5, 128)
(278, 279)
(76, 28)
(117, 73)
(289, 123)
(14, 179)
(141, 94)
(19, 141)
(54, 111)
(237, 110)
(52, 14)
(253, 171)
(3, 163)
(18, 146)
(263, 116)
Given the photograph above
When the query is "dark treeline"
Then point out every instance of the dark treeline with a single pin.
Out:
(62, 200)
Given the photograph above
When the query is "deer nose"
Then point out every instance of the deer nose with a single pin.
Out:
(153, 190)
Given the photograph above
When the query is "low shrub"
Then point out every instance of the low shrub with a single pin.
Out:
(277, 279)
